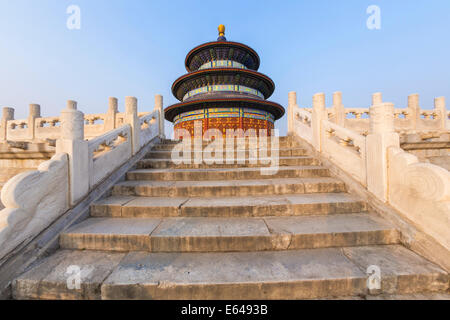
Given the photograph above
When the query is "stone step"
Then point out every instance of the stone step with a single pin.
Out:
(262, 153)
(228, 234)
(282, 144)
(412, 296)
(250, 206)
(169, 141)
(236, 163)
(295, 274)
(281, 139)
(228, 173)
(228, 188)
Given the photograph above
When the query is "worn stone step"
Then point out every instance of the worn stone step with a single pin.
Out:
(289, 152)
(296, 274)
(411, 296)
(228, 234)
(282, 144)
(236, 163)
(281, 139)
(388, 296)
(228, 173)
(249, 206)
(228, 188)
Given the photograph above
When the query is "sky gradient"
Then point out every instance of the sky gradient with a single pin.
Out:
(137, 48)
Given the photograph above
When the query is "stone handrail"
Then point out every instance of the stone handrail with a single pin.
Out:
(358, 113)
(302, 119)
(17, 130)
(410, 118)
(346, 148)
(419, 191)
(345, 136)
(108, 152)
(148, 129)
(17, 124)
(51, 131)
(38, 129)
(33, 200)
(109, 140)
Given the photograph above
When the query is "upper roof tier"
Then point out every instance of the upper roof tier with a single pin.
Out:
(222, 50)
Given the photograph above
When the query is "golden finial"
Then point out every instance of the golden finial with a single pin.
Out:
(221, 29)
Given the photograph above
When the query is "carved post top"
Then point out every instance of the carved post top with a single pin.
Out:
(413, 101)
(439, 104)
(337, 98)
(113, 105)
(159, 102)
(130, 105)
(382, 118)
(377, 98)
(71, 105)
(319, 102)
(35, 111)
(72, 122)
(292, 98)
(7, 114)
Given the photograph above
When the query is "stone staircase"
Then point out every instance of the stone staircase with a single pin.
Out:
(226, 231)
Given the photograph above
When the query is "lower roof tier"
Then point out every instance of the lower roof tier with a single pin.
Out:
(273, 108)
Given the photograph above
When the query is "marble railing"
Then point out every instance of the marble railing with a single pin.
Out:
(412, 118)
(107, 152)
(303, 124)
(346, 148)
(40, 129)
(34, 199)
(419, 191)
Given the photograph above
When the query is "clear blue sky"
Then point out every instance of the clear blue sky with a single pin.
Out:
(138, 48)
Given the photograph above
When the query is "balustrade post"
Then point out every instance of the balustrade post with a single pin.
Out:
(131, 117)
(159, 105)
(73, 143)
(35, 112)
(377, 98)
(292, 104)
(413, 111)
(318, 114)
(339, 109)
(110, 120)
(382, 136)
(439, 109)
(8, 114)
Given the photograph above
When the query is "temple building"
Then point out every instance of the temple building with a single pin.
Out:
(223, 89)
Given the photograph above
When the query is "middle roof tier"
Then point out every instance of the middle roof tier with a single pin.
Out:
(223, 76)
